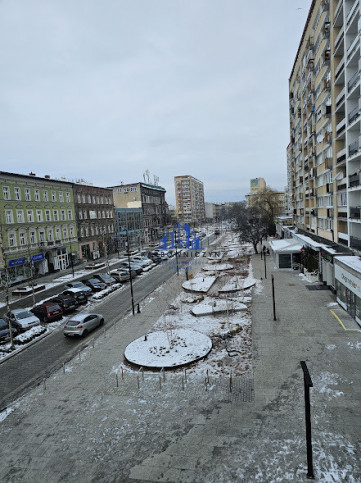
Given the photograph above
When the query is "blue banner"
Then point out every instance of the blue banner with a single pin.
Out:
(40, 256)
(16, 261)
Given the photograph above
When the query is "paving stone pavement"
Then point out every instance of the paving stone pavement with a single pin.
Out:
(86, 425)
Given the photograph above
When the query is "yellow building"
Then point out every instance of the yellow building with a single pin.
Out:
(262, 196)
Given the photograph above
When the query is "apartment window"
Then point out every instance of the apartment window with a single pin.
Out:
(119, 190)
(12, 240)
(99, 214)
(97, 200)
(81, 231)
(89, 199)
(84, 214)
(93, 199)
(57, 233)
(342, 199)
(61, 196)
(45, 196)
(71, 229)
(42, 236)
(17, 194)
(22, 237)
(65, 232)
(55, 215)
(107, 213)
(62, 215)
(6, 193)
(67, 196)
(20, 216)
(80, 215)
(36, 195)
(50, 234)
(102, 199)
(39, 215)
(47, 215)
(32, 237)
(86, 231)
(133, 188)
(30, 215)
(27, 194)
(329, 224)
(97, 230)
(53, 195)
(92, 230)
(70, 215)
(103, 214)
(9, 216)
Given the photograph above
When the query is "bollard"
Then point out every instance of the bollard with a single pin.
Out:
(185, 376)
(160, 383)
(64, 367)
(138, 309)
(162, 370)
(207, 376)
(142, 371)
(116, 378)
(93, 343)
(182, 383)
(230, 382)
(44, 382)
(79, 354)
(138, 383)
(205, 384)
(122, 374)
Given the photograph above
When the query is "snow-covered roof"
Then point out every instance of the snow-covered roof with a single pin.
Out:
(285, 246)
(351, 261)
(306, 240)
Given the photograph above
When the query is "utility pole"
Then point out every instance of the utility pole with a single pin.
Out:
(106, 254)
(31, 272)
(71, 258)
(130, 274)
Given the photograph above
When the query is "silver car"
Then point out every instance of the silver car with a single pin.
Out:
(82, 324)
(23, 319)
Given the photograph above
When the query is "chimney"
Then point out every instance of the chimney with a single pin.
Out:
(47, 176)
(32, 174)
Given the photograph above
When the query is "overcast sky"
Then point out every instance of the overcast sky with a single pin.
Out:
(106, 89)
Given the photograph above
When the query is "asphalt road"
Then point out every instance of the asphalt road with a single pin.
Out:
(36, 362)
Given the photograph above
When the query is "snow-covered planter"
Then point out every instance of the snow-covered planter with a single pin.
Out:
(168, 349)
(106, 291)
(219, 267)
(217, 307)
(29, 335)
(28, 289)
(199, 284)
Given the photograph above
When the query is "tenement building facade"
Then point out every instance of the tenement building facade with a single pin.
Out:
(324, 153)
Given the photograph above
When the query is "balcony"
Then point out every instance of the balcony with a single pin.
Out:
(353, 47)
(338, 9)
(355, 213)
(340, 67)
(354, 180)
(353, 148)
(340, 98)
(341, 156)
(355, 242)
(340, 128)
(354, 114)
(351, 12)
(339, 38)
(353, 81)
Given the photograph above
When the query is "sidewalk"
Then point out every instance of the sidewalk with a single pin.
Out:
(82, 426)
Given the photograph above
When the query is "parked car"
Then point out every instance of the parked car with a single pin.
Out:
(120, 275)
(82, 324)
(133, 266)
(79, 285)
(48, 311)
(79, 295)
(104, 277)
(67, 303)
(95, 284)
(5, 332)
(23, 319)
(145, 261)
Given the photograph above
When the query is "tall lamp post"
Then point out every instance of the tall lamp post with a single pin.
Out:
(71, 257)
(2, 248)
(130, 274)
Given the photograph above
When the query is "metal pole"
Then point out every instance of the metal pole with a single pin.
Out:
(31, 272)
(307, 384)
(273, 298)
(265, 267)
(71, 257)
(106, 254)
(130, 274)
(2, 248)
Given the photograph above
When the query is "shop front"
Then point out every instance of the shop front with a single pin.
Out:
(19, 269)
(348, 284)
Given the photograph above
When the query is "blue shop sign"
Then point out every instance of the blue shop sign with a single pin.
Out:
(16, 261)
(40, 256)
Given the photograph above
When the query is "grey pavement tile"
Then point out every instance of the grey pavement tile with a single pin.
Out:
(183, 462)
(148, 473)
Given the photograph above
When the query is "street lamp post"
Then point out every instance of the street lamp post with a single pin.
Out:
(71, 257)
(130, 274)
(2, 248)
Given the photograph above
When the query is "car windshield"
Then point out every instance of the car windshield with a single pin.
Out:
(53, 307)
(77, 284)
(24, 315)
(3, 324)
(94, 281)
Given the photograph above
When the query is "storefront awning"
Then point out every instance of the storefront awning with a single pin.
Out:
(285, 246)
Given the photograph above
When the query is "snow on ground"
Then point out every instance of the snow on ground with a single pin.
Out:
(169, 348)
(199, 284)
(322, 381)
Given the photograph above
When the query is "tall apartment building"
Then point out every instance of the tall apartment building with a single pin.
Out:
(189, 195)
(324, 153)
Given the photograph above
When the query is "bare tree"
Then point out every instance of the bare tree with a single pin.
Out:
(249, 223)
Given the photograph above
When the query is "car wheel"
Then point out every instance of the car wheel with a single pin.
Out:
(101, 322)
(85, 333)
(66, 335)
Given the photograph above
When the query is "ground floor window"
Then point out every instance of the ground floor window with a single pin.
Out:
(284, 260)
(341, 293)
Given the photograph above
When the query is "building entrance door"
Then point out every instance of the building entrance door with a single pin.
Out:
(63, 262)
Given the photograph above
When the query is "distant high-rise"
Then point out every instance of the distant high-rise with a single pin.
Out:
(189, 194)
